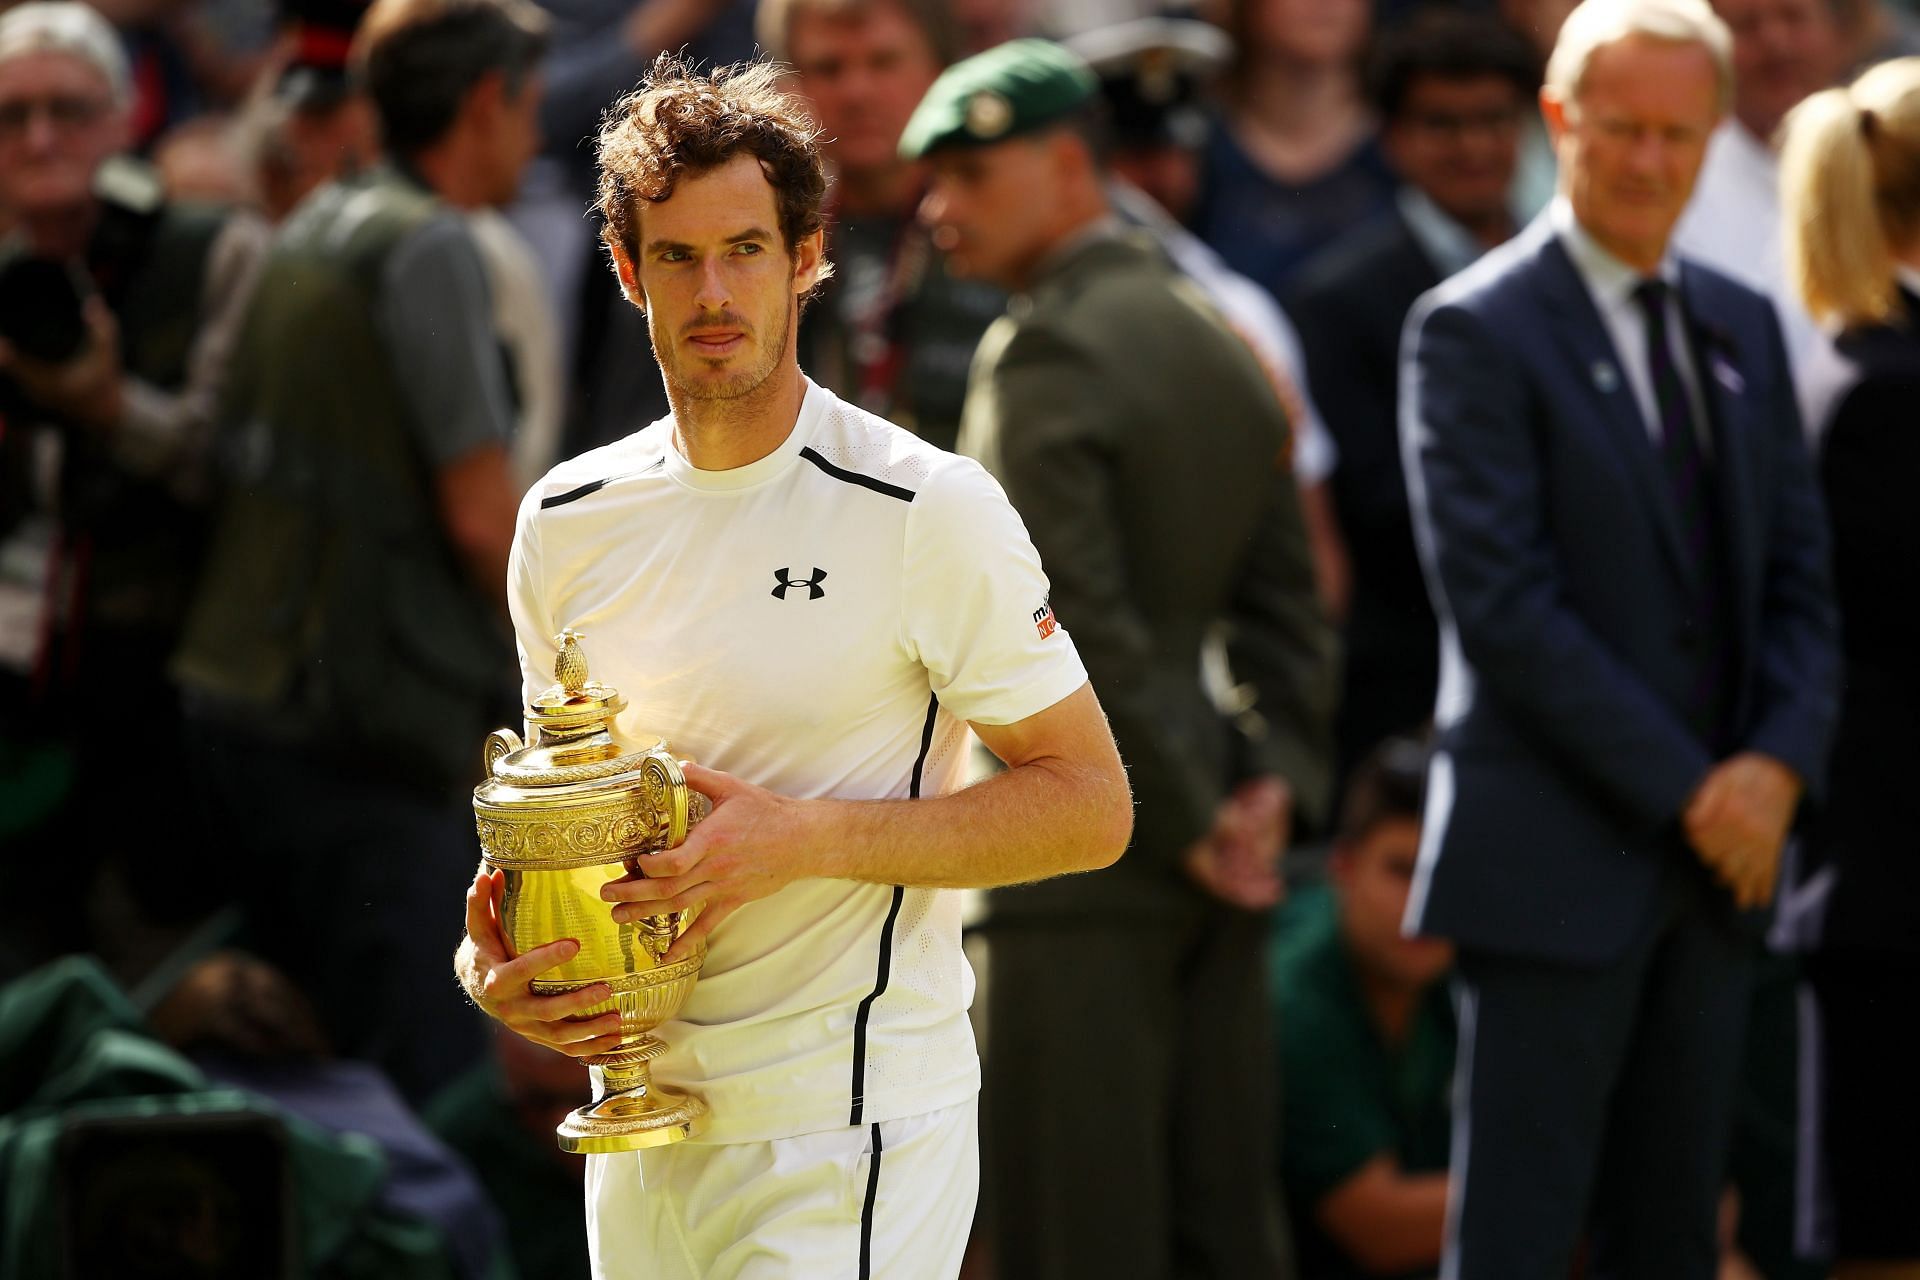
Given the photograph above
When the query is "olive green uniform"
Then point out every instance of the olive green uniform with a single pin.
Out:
(1128, 1092)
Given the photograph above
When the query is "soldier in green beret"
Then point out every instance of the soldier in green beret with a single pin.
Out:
(1146, 449)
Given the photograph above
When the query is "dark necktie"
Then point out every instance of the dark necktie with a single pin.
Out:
(1685, 463)
(1680, 451)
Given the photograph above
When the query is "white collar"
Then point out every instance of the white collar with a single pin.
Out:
(1609, 278)
(1450, 246)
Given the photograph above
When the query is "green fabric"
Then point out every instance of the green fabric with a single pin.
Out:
(1345, 1095)
(72, 1048)
(35, 778)
(1012, 89)
(1138, 437)
(539, 1193)
(332, 607)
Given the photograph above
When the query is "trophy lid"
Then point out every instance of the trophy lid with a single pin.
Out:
(574, 740)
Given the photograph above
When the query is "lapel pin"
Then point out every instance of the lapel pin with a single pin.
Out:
(1728, 376)
(1606, 379)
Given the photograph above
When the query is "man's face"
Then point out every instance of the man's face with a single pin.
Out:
(720, 289)
(1783, 50)
(1630, 145)
(513, 124)
(58, 123)
(991, 207)
(1374, 878)
(1310, 32)
(864, 71)
(1457, 141)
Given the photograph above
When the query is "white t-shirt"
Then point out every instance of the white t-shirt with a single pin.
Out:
(822, 622)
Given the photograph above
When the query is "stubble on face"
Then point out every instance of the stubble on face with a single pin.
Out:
(696, 377)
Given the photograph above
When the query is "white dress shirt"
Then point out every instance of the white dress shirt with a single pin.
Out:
(1450, 247)
(1733, 224)
(1612, 283)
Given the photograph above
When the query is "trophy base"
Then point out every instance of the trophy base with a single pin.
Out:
(649, 1116)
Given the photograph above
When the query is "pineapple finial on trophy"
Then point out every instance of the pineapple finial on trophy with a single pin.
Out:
(570, 664)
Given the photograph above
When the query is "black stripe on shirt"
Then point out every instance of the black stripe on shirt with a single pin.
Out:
(866, 1009)
(595, 486)
(866, 1210)
(854, 477)
(885, 966)
(573, 495)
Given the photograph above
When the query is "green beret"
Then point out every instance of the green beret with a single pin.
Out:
(1014, 88)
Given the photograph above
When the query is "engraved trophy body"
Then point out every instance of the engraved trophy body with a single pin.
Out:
(561, 816)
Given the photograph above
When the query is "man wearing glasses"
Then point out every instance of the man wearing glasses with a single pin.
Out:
(117, 313)
(1452, 90)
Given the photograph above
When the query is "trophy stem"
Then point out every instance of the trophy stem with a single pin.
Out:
(628, 1075)
(630, 1112)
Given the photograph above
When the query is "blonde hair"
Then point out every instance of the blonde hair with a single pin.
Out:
(1595, 24)
(1850, 192)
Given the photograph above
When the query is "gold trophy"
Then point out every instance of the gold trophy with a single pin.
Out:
(563, 815)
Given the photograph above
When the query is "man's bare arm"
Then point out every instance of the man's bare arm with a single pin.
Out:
(1061, 806)
(1388, 1221)
(477, 500)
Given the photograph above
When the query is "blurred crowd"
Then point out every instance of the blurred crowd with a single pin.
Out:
(236, 742)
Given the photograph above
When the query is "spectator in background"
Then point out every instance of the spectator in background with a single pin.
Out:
(1639, 667)
(1152, 74)
(891, 331)
(1783, 50)
(598, 51)
(500, 1118)
(1292, 160)
(1851, 187)
(1366, 1034)
(308, 126)
(1451, 89)
(346, 647)
(1143, 445)
(1535, 175)
(118, 312)
(1875, 30)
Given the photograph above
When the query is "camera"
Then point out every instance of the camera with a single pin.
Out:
(41, 298)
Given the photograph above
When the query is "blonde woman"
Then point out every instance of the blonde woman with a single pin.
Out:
(1850, 171)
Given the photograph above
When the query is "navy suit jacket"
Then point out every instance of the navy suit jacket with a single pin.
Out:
(1553, 550)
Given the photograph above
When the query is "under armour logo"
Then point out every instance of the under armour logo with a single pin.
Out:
(785, 578)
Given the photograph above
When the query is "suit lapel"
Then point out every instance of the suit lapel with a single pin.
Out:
(1717, 360)
(1573, 317)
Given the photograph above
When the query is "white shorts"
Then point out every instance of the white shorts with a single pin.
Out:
(891, 1201)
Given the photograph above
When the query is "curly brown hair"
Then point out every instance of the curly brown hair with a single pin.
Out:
(683, 121)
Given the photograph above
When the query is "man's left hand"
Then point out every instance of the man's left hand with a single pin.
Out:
(1738, 820)
(743, 851)
(87, 388)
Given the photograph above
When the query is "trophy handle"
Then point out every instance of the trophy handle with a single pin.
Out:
(682, 804)
(500, 744)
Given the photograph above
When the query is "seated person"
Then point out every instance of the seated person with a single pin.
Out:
(1366, 1041)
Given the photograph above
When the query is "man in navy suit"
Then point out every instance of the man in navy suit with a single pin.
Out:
(1628, 557)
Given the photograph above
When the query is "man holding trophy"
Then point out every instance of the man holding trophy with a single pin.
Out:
(813, 605)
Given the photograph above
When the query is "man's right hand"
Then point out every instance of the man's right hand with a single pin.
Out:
(1238, 861)
(1738, 820)
(498, 981)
